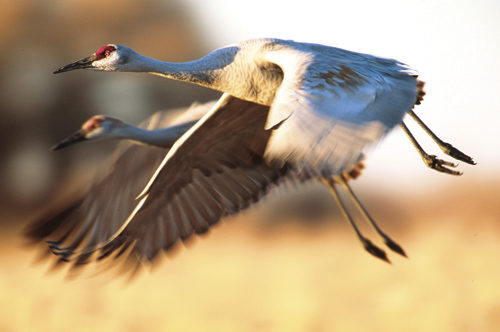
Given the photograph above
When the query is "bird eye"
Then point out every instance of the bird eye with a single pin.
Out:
(104, 51)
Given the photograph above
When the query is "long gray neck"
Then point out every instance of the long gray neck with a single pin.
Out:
(163, 138)
(206, 71)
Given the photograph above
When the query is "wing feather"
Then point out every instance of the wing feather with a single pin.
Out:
(189, 215)
(208, 173)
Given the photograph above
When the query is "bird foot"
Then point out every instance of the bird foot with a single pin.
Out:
(451, 151)
(439, 165)
(374, 250)
(394, 246)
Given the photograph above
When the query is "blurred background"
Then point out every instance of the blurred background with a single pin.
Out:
(290, 263)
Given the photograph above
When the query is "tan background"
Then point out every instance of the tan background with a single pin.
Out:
(291, 263)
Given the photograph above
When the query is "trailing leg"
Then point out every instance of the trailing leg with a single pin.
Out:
(430, 160)
(447, 148)
(387, 240)
(367, 244)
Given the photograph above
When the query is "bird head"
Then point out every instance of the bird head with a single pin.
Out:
(98, 127)
(110, 57)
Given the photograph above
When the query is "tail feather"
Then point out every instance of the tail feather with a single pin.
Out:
(420, 91)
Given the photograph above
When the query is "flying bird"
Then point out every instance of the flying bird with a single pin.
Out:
(325, 108)
(211, 182)
(336, 103)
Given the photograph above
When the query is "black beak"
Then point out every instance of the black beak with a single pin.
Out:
(80, 64)
(75, 138)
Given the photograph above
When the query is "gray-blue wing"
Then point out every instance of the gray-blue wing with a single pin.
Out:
(334, 104)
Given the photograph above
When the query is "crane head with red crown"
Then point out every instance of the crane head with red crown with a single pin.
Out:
(110, 57)
(98, 127)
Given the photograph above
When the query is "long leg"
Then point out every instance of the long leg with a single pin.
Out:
(430, 160)
(387, 240)
(367, 244)
(445, 147)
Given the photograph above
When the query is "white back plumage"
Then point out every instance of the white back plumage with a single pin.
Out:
(333, 104)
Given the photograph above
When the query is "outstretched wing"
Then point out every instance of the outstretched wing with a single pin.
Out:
(213, 170)
(333, 104)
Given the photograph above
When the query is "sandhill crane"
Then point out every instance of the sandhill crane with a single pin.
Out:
(325, 107)
(335, 102)
(200, 201)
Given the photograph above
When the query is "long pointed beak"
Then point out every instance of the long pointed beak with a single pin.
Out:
(78, 136)
(80, 64)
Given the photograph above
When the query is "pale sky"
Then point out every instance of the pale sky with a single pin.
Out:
(454, 45)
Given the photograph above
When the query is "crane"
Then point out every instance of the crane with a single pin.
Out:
(211, 193)
(324, 93)
(325, 108)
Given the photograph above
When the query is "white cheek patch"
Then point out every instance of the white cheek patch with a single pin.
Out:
(108, 63)
(95, 134)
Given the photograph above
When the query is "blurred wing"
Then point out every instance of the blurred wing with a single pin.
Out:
(333, 104)
(96, 214)
(195, 112)
(213, 170)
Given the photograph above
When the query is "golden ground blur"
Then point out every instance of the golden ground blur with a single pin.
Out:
(248, 278)
(246, 275)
